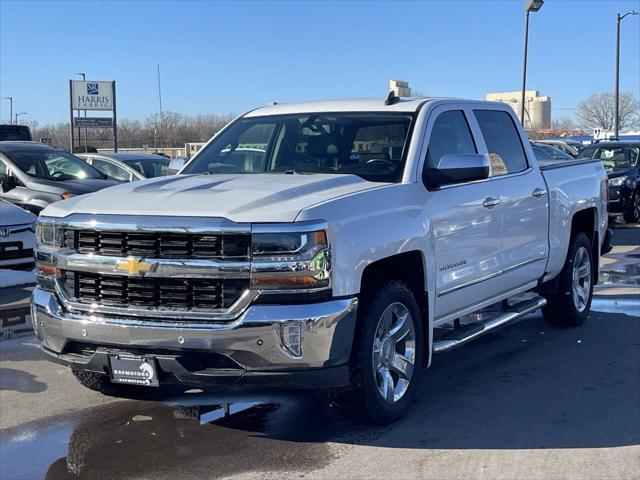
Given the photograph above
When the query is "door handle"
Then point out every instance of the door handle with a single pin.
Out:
(490, 202)
(539, 192)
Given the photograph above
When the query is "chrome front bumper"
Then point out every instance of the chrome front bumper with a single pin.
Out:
(254, 341)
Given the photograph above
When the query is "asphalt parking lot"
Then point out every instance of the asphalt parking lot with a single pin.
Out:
(528, 401)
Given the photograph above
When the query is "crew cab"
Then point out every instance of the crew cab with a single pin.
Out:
(335, 245)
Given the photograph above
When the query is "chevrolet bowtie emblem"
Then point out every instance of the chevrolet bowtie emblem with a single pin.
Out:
(133, 266)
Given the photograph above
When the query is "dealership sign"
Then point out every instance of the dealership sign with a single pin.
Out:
(92, 95)
(93, 122)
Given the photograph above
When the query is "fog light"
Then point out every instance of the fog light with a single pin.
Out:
(291, 337)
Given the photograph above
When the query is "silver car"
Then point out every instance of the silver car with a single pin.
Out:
(33, 175)
(127, 167)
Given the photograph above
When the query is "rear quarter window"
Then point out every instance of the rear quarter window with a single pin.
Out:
(503, 141)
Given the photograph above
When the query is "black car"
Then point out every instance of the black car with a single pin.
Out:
(15, 132)
(622, 163)
(33, 175)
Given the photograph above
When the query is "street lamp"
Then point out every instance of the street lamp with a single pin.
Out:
(18, 114)
(10, 108)
(530, 6)
(617, 94)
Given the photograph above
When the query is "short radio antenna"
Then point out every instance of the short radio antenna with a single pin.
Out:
(391, 98)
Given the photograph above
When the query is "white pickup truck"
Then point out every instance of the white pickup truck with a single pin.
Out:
(329, 245)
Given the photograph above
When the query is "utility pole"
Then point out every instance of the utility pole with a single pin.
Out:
(10, 109)
(85, 116)
(616, 127)
(160, 103)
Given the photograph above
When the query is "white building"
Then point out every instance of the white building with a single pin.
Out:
(537, 108)
(400, 87)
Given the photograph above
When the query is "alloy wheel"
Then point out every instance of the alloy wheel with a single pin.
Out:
(394, 352)
(581, 279)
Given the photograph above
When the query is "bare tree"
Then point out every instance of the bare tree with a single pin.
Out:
(564, 123)
(178, 130)
(598, 111)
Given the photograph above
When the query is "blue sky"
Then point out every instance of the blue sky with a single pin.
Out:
(219, 57)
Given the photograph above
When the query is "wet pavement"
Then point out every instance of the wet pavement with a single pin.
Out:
(528, 401)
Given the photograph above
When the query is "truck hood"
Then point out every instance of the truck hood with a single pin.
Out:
(76, 187)
(618, 171)
(239, 197)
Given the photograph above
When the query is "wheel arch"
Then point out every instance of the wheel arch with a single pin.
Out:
(410, 268)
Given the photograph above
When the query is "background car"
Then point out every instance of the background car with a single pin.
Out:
(127, 167)
(547, 154)
(622, 163)
(176, 163)
(17, 236)
(570, 147)
(33, 175)
(15, 132)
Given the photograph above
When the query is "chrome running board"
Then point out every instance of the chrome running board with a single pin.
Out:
(447, 344)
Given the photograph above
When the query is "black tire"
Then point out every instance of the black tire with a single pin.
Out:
(362, 397)
(561, 308)
(632, 214)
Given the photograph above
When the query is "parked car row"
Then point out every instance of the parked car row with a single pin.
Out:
(33, 174)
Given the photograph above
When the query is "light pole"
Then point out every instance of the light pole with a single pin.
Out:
(85, 116)
(18, 114)
(530, 6)
(10, 108)
(619, 18)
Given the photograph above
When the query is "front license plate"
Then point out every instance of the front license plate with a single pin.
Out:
(133, 370)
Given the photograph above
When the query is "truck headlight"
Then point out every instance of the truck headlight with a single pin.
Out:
(298, 261)
(616, 182)
(48, 234)
(48, 238)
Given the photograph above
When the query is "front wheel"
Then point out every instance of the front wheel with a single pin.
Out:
(570, 306)
(387, 350)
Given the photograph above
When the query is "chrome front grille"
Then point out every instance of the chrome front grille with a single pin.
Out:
(184, 294)
(229, 246)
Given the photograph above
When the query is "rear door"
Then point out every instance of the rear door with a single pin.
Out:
(523, 197)
(466, 219)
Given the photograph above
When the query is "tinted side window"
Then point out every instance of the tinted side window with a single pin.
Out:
(450, 135)
(502, 140)
(111, 170)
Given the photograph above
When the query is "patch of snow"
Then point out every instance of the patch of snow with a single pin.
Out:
(11, 278)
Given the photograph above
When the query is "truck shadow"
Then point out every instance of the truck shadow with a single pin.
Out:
(527, 387)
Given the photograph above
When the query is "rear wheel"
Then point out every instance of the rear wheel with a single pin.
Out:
(571, 305)
(388, 348)
(632, 214)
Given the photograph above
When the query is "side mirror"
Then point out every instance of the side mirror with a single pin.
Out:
(7, 182)
(458, 168)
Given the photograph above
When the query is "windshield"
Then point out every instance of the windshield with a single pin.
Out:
(53, 165)
(370, 145)
(149, 167)
(613, 156)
